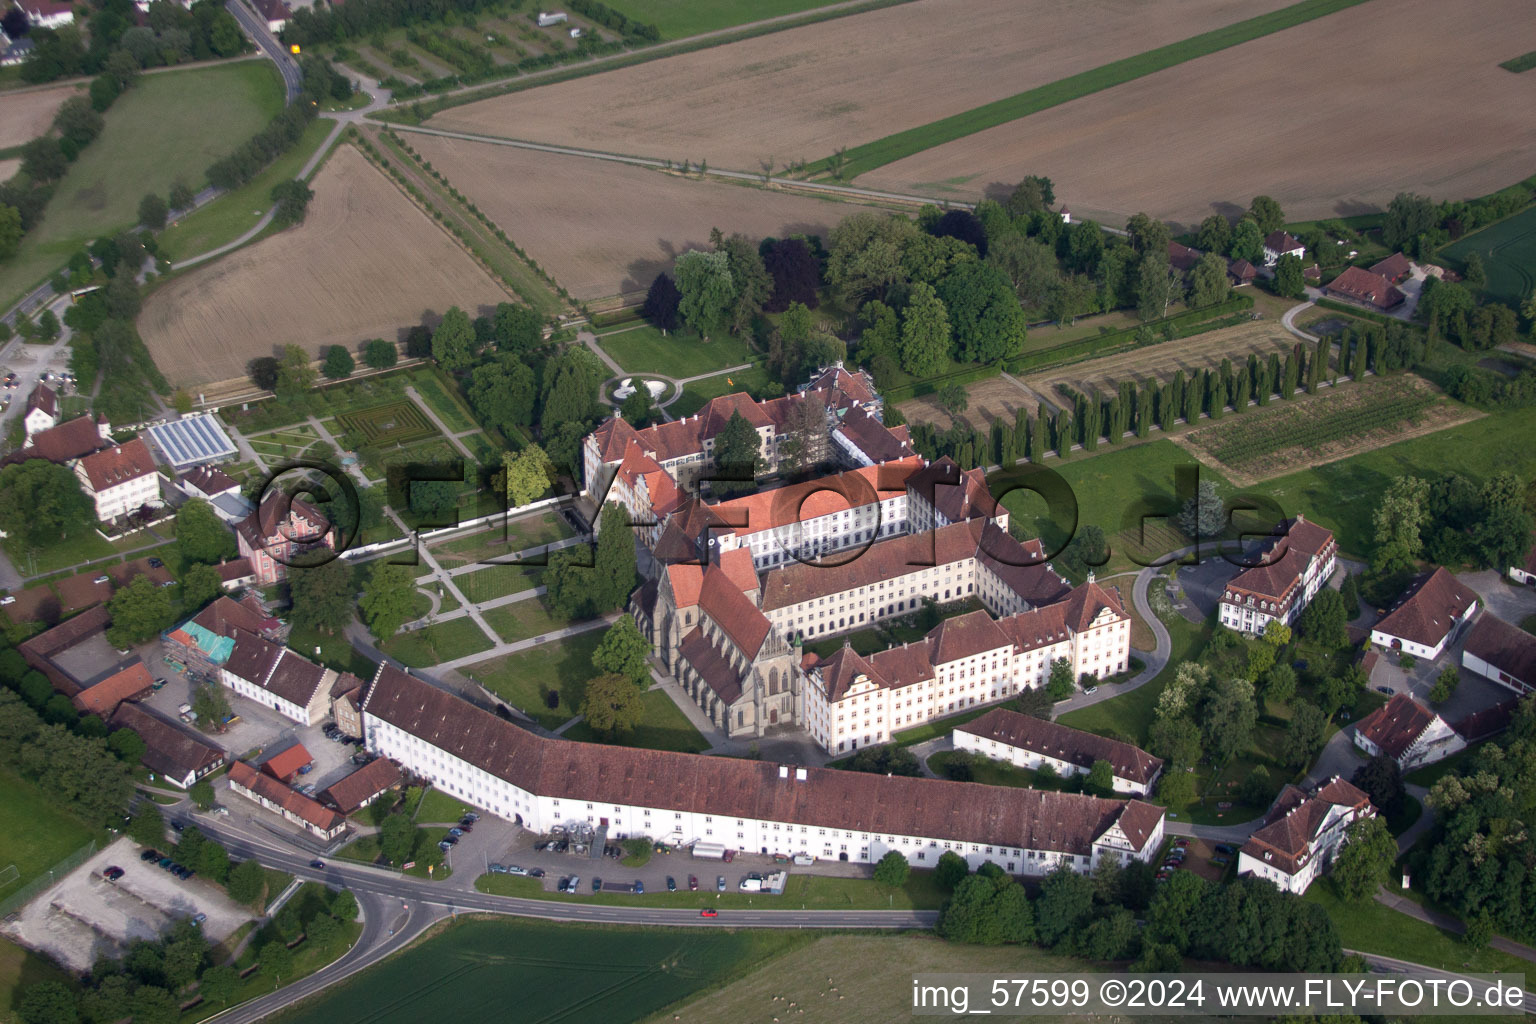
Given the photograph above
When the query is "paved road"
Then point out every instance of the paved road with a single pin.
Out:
(256, 28)
(1154, 660)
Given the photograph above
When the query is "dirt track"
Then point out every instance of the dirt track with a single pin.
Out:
(1332, 117)
(29, 113)
(602, 228)
(365, 263)
(987, 400)
(802, 93)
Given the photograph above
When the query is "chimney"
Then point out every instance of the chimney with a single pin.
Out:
(799, 774)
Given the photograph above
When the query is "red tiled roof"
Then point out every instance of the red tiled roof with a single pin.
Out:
(210, 480)
(237, 569)
(883, 560)
(1394, 268)
(286, 764)
(1064, 744)
(843, 668)
(712, 667)
(1396, 725)
(738, 568)
(735, 787)
(103, 698)
(291, 800)
(1507, 648)
(965, 636)
(69, 440)
(1021, 565)
(266, 524)
(718, 411)
(226, 615)
(613, 436)
(1182, 257)
(1425, 615)
(855, 386)
(1242, 270)
(1364, 286)
(1295, 819)
(955, 494)
(1084, 603)
(878, 442)
(295, 678)
(733, 612)
(1281, 242)
(686, 580)
(828, 495)
(350, 793)
(169, 749)
(1038, 627)
(112, 467)
(44, 398)
(1273, 579)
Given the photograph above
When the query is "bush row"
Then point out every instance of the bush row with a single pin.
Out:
(1179, 325)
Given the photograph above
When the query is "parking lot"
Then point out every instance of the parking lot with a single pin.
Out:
(85, 916)
(1199, 855)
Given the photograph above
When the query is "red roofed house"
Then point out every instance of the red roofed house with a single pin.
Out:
(42, 410)
(1394, 268)
(1504, 653)
(276, 13)
(177, 755)
(276, 677)
(1302, 834)
(1365, 288)
(356, 791)
(46, 13)
(1241, 272)
(286, 765)
(120, 479)
(66, 442)
(1279, 243)
(1182, 258)
(278, 532)
(103, 698)
(1423, 619)
(1294, 568)
(1029, 742)
(294, 806)
(1407, 732)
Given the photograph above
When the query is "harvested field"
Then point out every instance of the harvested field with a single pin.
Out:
(801, 93)
(1332, 425)
(28, 113)
(997, 397)
(1162, 361)
(365, 263)
(602, 228)
(1318, 154)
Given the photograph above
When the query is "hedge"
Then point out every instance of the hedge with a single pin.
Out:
(1364, 314)
(1115, 341)
(968, 375)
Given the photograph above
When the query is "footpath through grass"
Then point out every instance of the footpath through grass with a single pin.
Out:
(1371, 927)
(802, 891)
(165, 127)
(862, 159)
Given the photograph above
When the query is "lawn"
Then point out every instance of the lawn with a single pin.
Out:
(497, 581)
(502, 541)
(20, 969)
(69, 551)
(698, 393)
(336, 651)
(479, 969)
(233, 214)
(167, 126)
(938, 727)
(450, 408)
(1430, 774)
(662, 727)
(522, 620)
(1343, 495)
(277, 881)
(1373, 928)
(1109, 485)
(439, 642)
(867, 157)
(439, 808)
(645, 349)
(802, 891)
(1508, 249)
(525, 679)
(987, 772)
(34, 833)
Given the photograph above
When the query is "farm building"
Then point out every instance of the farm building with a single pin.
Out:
(1407, 732)
(274, 12)
(102, 699)
(1241, 272)
(540, 782)
(79, 662)
(1182, 258)
(1525, 572)
(1366, 289)
(1029, 742)
(294, 806)
(275, 677)
(1301, 834)
(356, 791)
(1423, 619)
(192, 441)
(66, 442)
(1504, 653)
(177, 755)
(1280, 243)
(1293, 568)
(1395, 268)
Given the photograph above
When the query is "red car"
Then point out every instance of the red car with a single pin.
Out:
(693, 882)
(709, 912)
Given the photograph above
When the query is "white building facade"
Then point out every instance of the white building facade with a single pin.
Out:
(1302, 834)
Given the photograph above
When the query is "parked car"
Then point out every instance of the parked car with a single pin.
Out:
(709, 912)
(444, 845)
(1384, 689)
(451, 840)
(693, 883)
(564, 886)
(1091, 690)
(155, 563)
(112, 873)
(456, 832)
(178, 825)
(513, 869)
(720, 884)
(199, 918)
(1181, 844)
(535, 872)
(639, 887)
(8, 599)
(318, 865)
(497, 869)
(1219, 861)
(542, 844)
(102, 579)
(164, 863)
(597, 884)
(1224, 848)
(471, 816)
(158, 684)
(149, 855)
(467, 826)
(671, 884)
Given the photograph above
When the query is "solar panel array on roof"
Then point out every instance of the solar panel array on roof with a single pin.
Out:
(192, 441)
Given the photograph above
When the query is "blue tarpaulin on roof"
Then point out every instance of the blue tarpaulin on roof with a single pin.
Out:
(216, 647)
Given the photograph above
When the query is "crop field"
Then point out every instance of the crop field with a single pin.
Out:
(365, 263)
(802, 93)
(167, 126)
(601, 228)
(1331, 425)
(987, 400)
(392, 424)
(1508, 249)
(28, 113)
(1317, 156)
(550, 972)
(679, 18)
(1162, 361)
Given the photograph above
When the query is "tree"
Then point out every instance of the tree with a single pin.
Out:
(379, 354)
(1502, 537)
(706, 291)
(276, 959)
(153, 212)
(1473, 272)
(1035, 194)
(983, 311)
(1060, 684)
(344, 905)
(397, 838)
(140, 611)
(1304, 735)
(1255, 790)
(662, 302)
(738, 451)
(338, 363)
(181, 197)
(623, 651)
(1101, 778)
(1280, 683)
(49, 1002)
(201, 535)
(388, 599)
(1247, 242)
(925, 332)
(1408, 216)
(1323, 620)
(322, 595)
(1446, 684)
(1365, 862)
(1175, 739)
(201, 794)
(147, 826)
(246, 883)
(263, 372)
(518, 329)
(1175, 789)
(887, 759)
(41, 502)
(529, 475)
(1066, 900)
(892, 870)
(950, 870)
(1381, 779)
(796, 274)
(43, 159)
(10, 230)
(295, 375)
(1208, 282)
(502, 392)
(612, 705)
(292, 201)
(1215, 234)
(1204, 516)
(127, 745)
(219, 983)
(1267, 214)
(453, 342)
(751, 283)
(1228, 717)
(1289, 281)
(1398, 522)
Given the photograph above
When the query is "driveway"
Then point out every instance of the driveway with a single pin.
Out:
(1508, 601)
